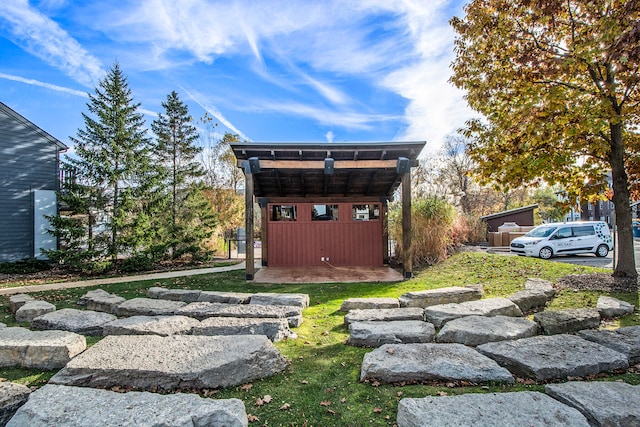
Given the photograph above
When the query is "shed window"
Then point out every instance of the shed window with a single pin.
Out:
(324, 213)
(284, 213)
(365, 212)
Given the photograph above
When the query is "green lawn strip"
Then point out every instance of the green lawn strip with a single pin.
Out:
(321, 386)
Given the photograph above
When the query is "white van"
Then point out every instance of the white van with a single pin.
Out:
(566, 238)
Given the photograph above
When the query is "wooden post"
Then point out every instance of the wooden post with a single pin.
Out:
(385, 231)
(248, 212)
(407, 259)
(264, 235)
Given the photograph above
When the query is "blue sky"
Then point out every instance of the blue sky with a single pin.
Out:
(270, 71)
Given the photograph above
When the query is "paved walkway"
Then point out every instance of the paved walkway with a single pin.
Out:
(119, 279)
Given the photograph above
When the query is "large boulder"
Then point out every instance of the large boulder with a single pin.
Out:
(527, 408)
(274, 329)
(540, 285)
(610, 307)
(151, 362)
(266, 298)
(384, 315)
(32, 309)
(204, 310)
(18, 300)
(441, 314)
(624, 340)
(148, 307)
(39, 349)
(369, 303)
(545, 358)
(85, 322)
(394, 363)
(530, 300)
(101, 300)
(151, 325)
(375, 334)
(56, 405)
(225, 297)
(476, 330)
(567, 321)
(12, 397)
(603, 403)
(450, 295)
(184, 295)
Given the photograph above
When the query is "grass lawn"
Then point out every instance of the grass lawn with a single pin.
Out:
(321, 385)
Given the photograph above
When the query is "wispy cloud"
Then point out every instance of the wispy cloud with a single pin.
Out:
(330, 136)
(211, 109)
(43, 84)
(42, 37)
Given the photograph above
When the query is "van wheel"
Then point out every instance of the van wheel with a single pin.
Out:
(602, 251)
(546, 252)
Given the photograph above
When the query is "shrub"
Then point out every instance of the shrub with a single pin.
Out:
(135, 263)
(25, 266)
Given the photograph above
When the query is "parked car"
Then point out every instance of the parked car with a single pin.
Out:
(567, 238)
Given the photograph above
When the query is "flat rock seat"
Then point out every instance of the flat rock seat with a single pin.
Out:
(100, 300)
(476, 330)
(32, 309)
(625, 340)
(567, 321)
(184, 295)
(540, 285)
(441, 314)
(148, 307)
(526, 408)
(204, 310)
(384, 315)
(85, 322)
(545, 358)
(449, 295)
(12, 397)
(375, 334)
(269, 298)
(150, 362)
(369, 303)
(18, 300)
(274, 329)
(603, 403)
(394, 363)
(530, 299)
(73, 406)
(151, 325)
(39, 349)
(225, 297)
(610, 307)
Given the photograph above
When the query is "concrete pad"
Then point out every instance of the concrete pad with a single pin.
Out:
(150, 362)
(274, 329)
(369, 303)
(151, 325)
(55, 405)
(100, 300)
(85, 322)
(530, 300)
(351, 274)
(18, 300)
(225, 297)
(295, 300)
(567, 321)
(540, 285)
(32, 309)
(603, 403)
(450, 295)
(184, 295)
(384, 315)
(545, 358)
(394, 363)
(149, 307)
(12, 397)
(624, 340)
(39, 349)
(527, 408)
(204, 310)
(441, 314)
(610, 307)
(476, 330)
(375, 334)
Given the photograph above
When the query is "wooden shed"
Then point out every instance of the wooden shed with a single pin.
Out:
(326, 204)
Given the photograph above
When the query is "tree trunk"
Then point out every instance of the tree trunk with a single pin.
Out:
(626, 266)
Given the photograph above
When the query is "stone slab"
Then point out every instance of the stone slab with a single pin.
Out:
(32, 309)
(546, 286)
(101, 300)
(477, 330)
(274, 329)
(369, 303)
(530, 300)
(204, 310)
(441, 314)
(56, 405)
(375, 334)
(567, 321)
(12, 397)
(384, 315)
(85, 322)
(527, 408)
(449, 295)
(610, 307)
(18, 300)
(149, 307)
(394, 363)
(151, 362)
(225, 297)
(266, 298)
(184, 295)
(603, 403)
(545, 358)
(39, 349)
(624, 340)
(151, 325)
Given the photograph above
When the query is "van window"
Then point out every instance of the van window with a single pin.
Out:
(563, 233)
(583, 230)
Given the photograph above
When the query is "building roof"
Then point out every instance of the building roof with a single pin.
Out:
(509, 212)
(21, 119)
(297, 170)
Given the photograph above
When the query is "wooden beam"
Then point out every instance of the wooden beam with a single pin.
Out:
(372, 182)
(407, 254)
(264, 235)
(321, 200)
(319, 164)
(385, 231)
(248, 214)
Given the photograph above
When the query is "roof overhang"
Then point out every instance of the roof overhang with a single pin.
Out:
(327, 170)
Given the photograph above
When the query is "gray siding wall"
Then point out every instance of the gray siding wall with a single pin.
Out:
(28, 161)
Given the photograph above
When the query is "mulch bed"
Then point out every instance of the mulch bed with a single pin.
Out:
(598, 282)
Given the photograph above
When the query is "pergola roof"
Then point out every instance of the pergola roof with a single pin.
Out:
(298, 169)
